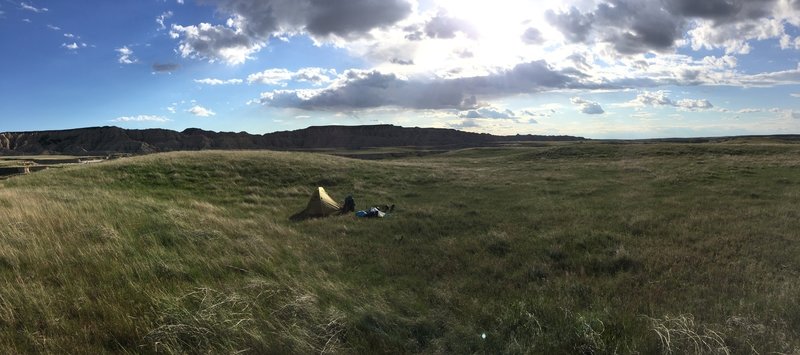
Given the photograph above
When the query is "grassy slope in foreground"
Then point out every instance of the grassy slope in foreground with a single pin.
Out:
(566, 248)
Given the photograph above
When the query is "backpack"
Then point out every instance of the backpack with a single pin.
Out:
(349, 204)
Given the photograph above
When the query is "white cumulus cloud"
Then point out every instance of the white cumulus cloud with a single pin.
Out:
(280, 76)
(661, 98)
(141, 118)
(125, 55)
(200, 111)
(588, 107)
(215, 43)
(214, 82)
(161, 18)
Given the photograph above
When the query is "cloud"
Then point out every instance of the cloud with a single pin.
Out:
(721, 11)
(532, 36)
(657, 98)
(734, 37)
(29, 7)
(588, 107)
(275, 76)
(661, 98)
(316, 76)
(750, 110)
(399, 61)
(125, 55)
(280, 76)
(726, 61)
(640, 26)
(630, 26)
(353, 18)
(161, 18)
(214, 82)
(54, 28)
(253, 22)
(215, 43)
(466, 123)
(488, 112)
(784, 77)
(356, 89)
(200, 111)
(444, 26)
(787, 41)
(73, 46)
(574, 25)
(141, 118)
(690, 104)
(69, 35)
(165, 67)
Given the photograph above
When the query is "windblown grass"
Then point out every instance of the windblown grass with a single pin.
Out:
(591, 248)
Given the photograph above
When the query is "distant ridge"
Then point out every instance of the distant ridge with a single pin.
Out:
(115, 140)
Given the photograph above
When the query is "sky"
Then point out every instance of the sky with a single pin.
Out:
(592, 68)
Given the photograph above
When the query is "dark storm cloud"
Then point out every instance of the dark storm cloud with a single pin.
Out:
(575, 25)
(704, 9)
(648, 27)
(722, 11)
(362, 90)
(253, 22)
(353, 17)
(260, 18)
(638, 26)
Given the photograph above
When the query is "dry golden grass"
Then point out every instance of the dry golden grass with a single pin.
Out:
(587, 248)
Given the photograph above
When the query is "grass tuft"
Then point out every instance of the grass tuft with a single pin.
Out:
(679, 334)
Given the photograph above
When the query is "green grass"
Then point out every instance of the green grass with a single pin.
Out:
(568, 248)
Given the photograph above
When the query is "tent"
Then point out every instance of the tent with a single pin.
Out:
(320, 204)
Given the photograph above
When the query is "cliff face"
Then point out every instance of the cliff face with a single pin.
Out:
(109, 140)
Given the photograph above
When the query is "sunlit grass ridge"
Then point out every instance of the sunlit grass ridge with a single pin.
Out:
(577, 247)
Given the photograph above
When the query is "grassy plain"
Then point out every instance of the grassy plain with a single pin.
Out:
(569, 248)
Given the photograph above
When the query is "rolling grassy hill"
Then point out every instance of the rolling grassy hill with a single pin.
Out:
(566, 248)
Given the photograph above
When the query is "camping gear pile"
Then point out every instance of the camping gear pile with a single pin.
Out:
(322, 205)
(372, 212)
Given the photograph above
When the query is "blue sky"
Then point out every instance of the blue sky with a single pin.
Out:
(594, 68)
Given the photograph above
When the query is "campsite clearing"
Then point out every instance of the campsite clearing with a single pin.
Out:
(565, 248)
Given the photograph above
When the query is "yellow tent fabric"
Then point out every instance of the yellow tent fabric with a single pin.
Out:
(321, 204)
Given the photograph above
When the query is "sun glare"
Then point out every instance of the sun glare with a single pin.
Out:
(498, 26)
